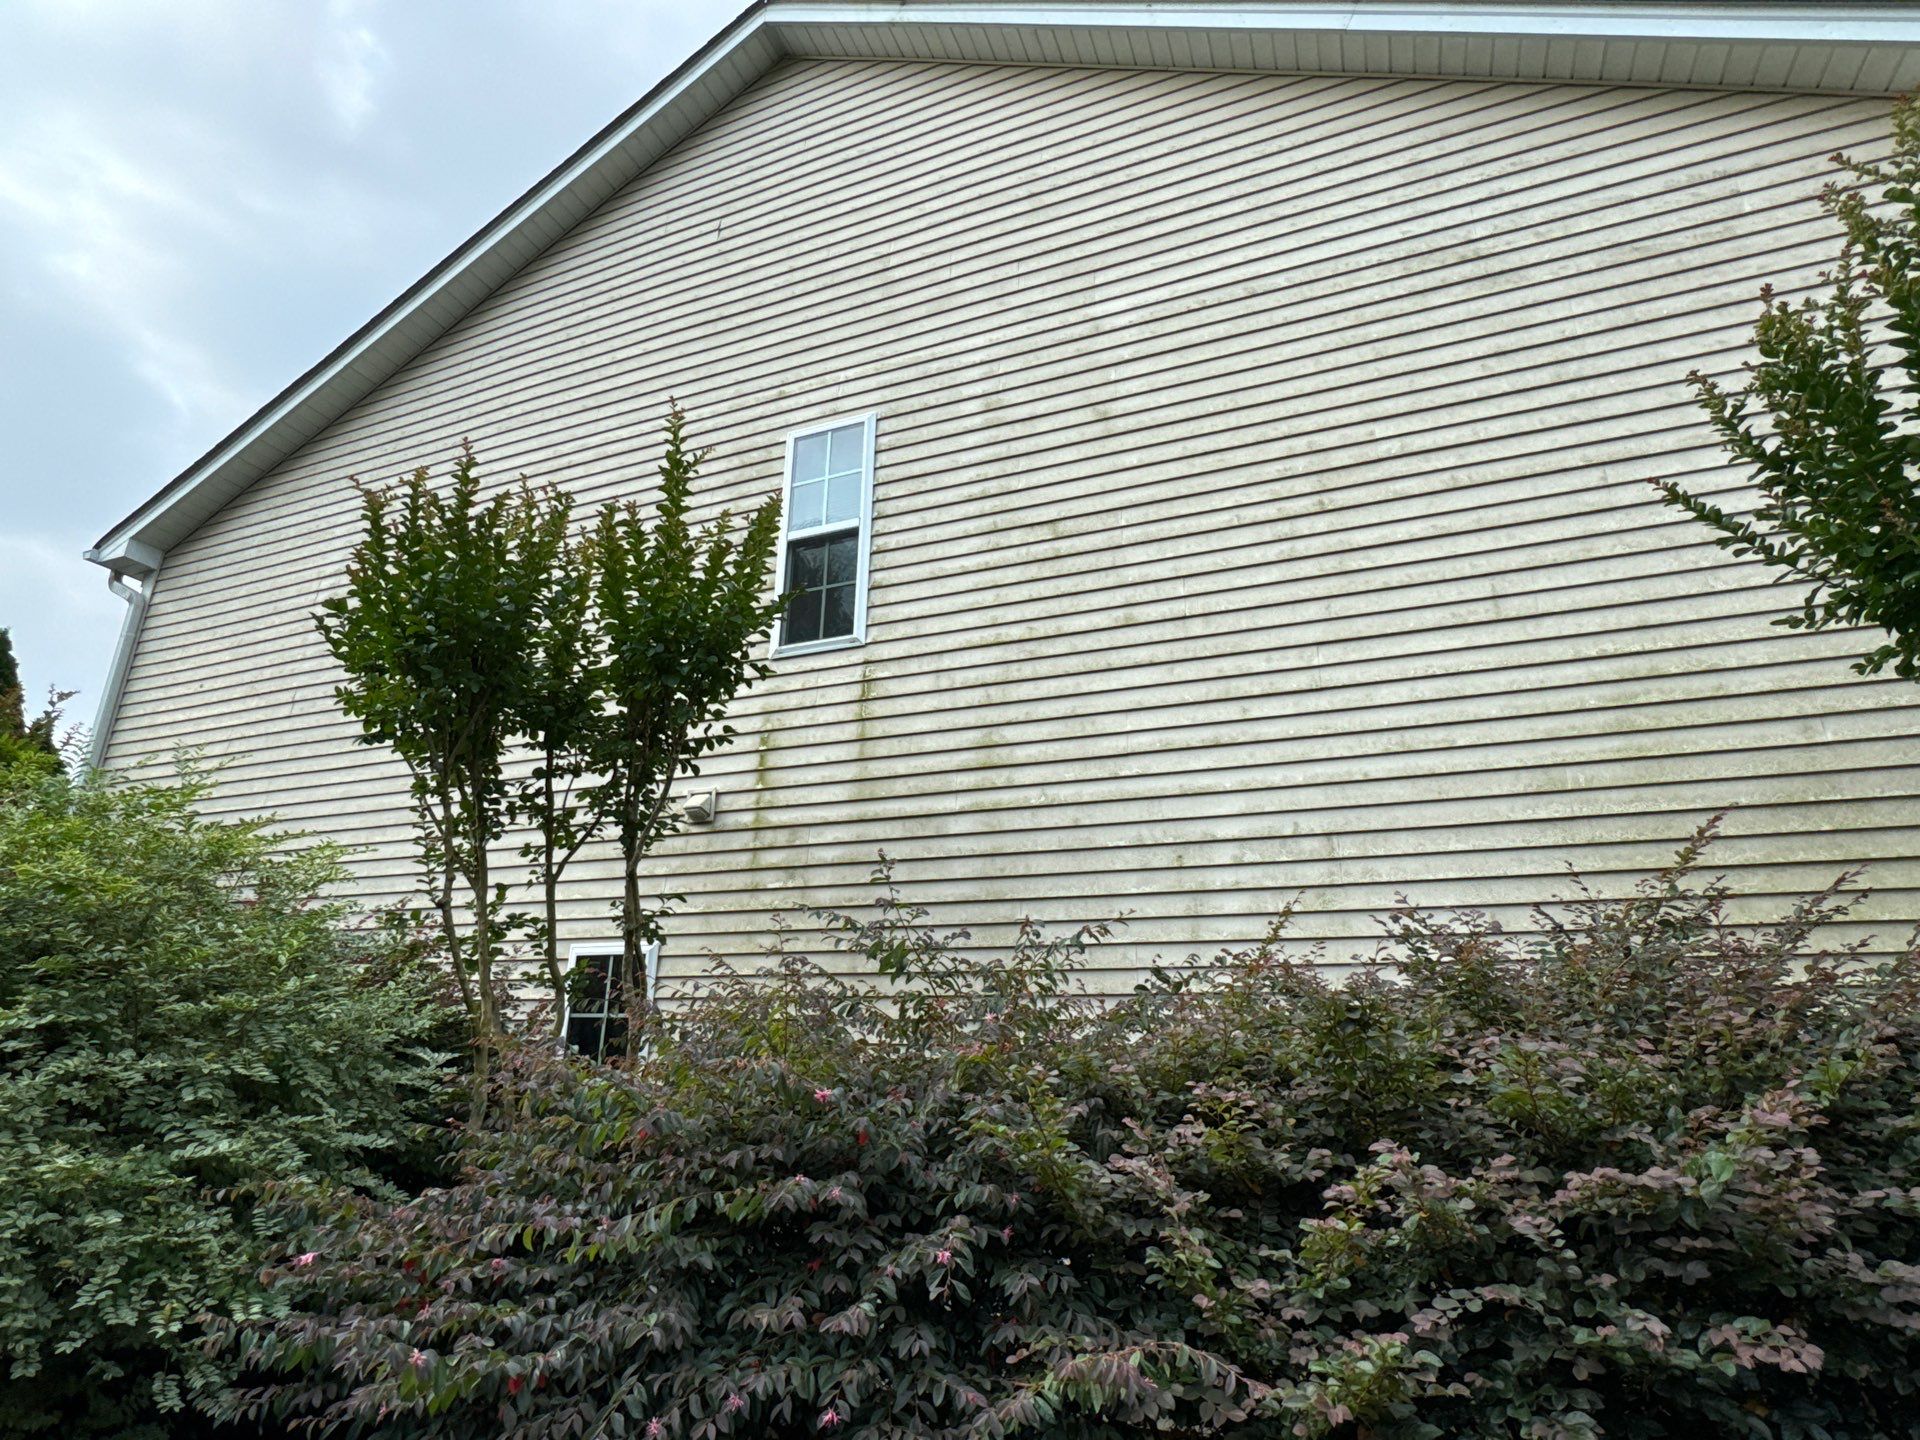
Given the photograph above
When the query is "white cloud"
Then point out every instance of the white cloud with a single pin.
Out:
(350, 65)
(87, 215)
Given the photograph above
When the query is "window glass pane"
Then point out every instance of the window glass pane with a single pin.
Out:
(596, 1013)
(590, 984)
(843, 555)
(598, 1037)
(804, 567)
(808, 502)
(838, 619)
(803, 618)
(849, 449)
(586, 1034)
(843, 497)
(809, 457)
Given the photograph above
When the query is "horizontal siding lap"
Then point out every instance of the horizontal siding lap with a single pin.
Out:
(1817, 755)
(1417, 653)
(820, 790)
(1256, 513)
(1350, 823)
(1149, 756)
(1294, 703)
(1338, 847)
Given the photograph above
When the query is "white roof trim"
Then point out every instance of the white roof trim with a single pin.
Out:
(1860, 48)
(1687, 19)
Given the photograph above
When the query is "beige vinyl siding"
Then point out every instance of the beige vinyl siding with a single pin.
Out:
(1261, 504)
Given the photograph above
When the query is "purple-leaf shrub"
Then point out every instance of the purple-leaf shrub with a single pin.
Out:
(1637, 1173)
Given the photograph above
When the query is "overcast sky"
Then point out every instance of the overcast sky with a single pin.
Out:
(200, 198)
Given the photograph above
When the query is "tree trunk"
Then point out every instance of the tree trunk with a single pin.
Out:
(633, 970)
(487, 1027)
(550, 880)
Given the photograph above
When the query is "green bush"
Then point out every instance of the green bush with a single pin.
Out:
(180, 1024)
(1638, 1174)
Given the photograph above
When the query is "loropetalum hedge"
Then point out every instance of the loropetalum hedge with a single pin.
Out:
(1633, 1173)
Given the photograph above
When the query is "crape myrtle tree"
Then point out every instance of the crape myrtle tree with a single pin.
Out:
(557, 712)
(528, 674)
(1825, 420)
(678, 611)
(439, 631)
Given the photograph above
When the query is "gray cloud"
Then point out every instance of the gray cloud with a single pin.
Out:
(198, 200)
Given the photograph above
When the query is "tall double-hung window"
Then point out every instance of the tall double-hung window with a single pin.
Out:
(828, 513)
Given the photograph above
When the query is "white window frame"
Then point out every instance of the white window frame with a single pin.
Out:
(870, 423)
(650, 964)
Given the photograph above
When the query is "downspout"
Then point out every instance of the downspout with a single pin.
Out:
(140, 565)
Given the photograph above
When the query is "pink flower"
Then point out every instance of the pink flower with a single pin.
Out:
(654, 1427)
(300, 1262)
(945, 1257)
(823, 1095)
(830, 1417)
(499, 1264)
(1013, 1201)
(834, 1193)
(735, 1405)
(418, 1359)
(1006, 1234)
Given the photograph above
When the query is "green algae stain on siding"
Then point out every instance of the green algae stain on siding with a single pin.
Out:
(760, 791)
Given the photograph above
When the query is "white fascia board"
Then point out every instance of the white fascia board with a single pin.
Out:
(1775, 24)
(1082, 33)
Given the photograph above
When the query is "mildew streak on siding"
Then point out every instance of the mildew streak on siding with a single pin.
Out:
(1261, 503)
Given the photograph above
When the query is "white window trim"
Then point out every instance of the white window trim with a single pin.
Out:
(650, 963)
(870, 422)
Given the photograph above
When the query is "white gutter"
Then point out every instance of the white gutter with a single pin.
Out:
(140, 563)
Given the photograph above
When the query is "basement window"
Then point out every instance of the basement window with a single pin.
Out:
(596, 1023)
(828, 506)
